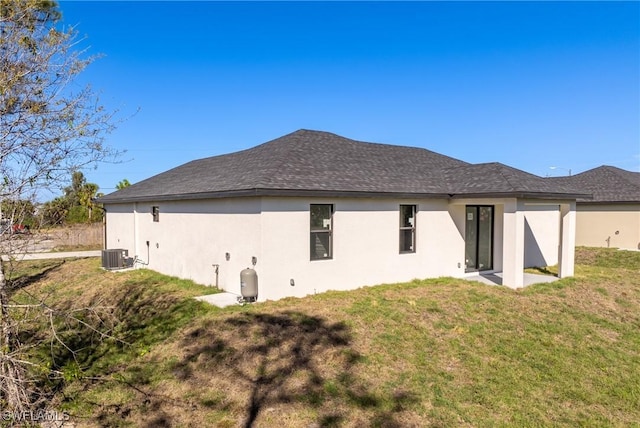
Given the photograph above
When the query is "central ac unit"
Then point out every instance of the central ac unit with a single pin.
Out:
(115, 259)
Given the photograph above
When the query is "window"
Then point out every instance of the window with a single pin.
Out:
(321, 226)
(407, 228)
(155, 211)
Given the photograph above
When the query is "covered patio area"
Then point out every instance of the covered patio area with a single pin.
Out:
(503, 236)
(495, 278)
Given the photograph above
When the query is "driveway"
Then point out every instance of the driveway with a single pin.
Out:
(54, 255)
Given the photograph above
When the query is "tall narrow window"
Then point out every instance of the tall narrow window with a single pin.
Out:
(321, 226)
(407, 228)
(155, 211)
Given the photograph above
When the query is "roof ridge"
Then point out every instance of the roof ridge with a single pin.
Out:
(502, 167)
(622, 174)
(506, 178)
(267, 174)
(375, 143)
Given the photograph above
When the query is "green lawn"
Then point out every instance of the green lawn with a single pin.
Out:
(439, 352)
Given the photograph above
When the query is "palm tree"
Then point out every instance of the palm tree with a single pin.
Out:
(122, 184)
(86, 196)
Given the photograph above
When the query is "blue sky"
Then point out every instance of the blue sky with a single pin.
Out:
(531, 85)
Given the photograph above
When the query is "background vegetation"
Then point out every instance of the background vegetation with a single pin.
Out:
(76, 205)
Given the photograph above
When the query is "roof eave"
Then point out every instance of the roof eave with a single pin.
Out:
(594, 202)
(256, 192)
(272, 192)
(522, 195)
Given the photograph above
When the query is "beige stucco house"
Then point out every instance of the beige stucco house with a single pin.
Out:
(611, 218)
(317, 212)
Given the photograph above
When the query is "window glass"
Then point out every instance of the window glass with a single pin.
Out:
(321, 217)
(479, 238)
(321, 231)
(407, 215)
(406, 241)
(407, 228)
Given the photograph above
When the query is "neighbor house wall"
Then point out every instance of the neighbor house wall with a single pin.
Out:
(608, 225)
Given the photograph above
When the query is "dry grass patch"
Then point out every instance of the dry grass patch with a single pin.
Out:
(440, 352)
(101, 319)
(266, 368)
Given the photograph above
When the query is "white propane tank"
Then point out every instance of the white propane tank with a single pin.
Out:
(249, 284)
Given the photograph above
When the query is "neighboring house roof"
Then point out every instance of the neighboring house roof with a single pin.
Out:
(606, 183)
(320, 163)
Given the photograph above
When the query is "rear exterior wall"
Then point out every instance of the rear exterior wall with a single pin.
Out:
(192, 236)
(541, 234)
(366, 245)
(191, 239)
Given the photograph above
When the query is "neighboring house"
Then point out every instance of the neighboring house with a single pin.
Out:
(322, 212)
(612, 217)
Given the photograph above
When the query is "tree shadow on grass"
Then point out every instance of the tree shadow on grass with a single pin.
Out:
(287, 358)
(17, 281)
(94, 339)
(253, 364)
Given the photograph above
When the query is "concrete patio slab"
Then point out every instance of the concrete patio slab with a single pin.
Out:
(221, 300)
(496, 278)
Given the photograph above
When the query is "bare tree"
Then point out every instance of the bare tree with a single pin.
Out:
(49, 126)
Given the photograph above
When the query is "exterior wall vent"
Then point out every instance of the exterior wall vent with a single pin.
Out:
(116, 259)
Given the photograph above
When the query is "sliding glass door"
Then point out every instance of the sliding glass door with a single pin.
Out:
(479, 238)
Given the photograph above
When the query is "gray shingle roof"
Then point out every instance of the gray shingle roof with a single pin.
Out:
(496, 178)
(315, 163)
(606, 183)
